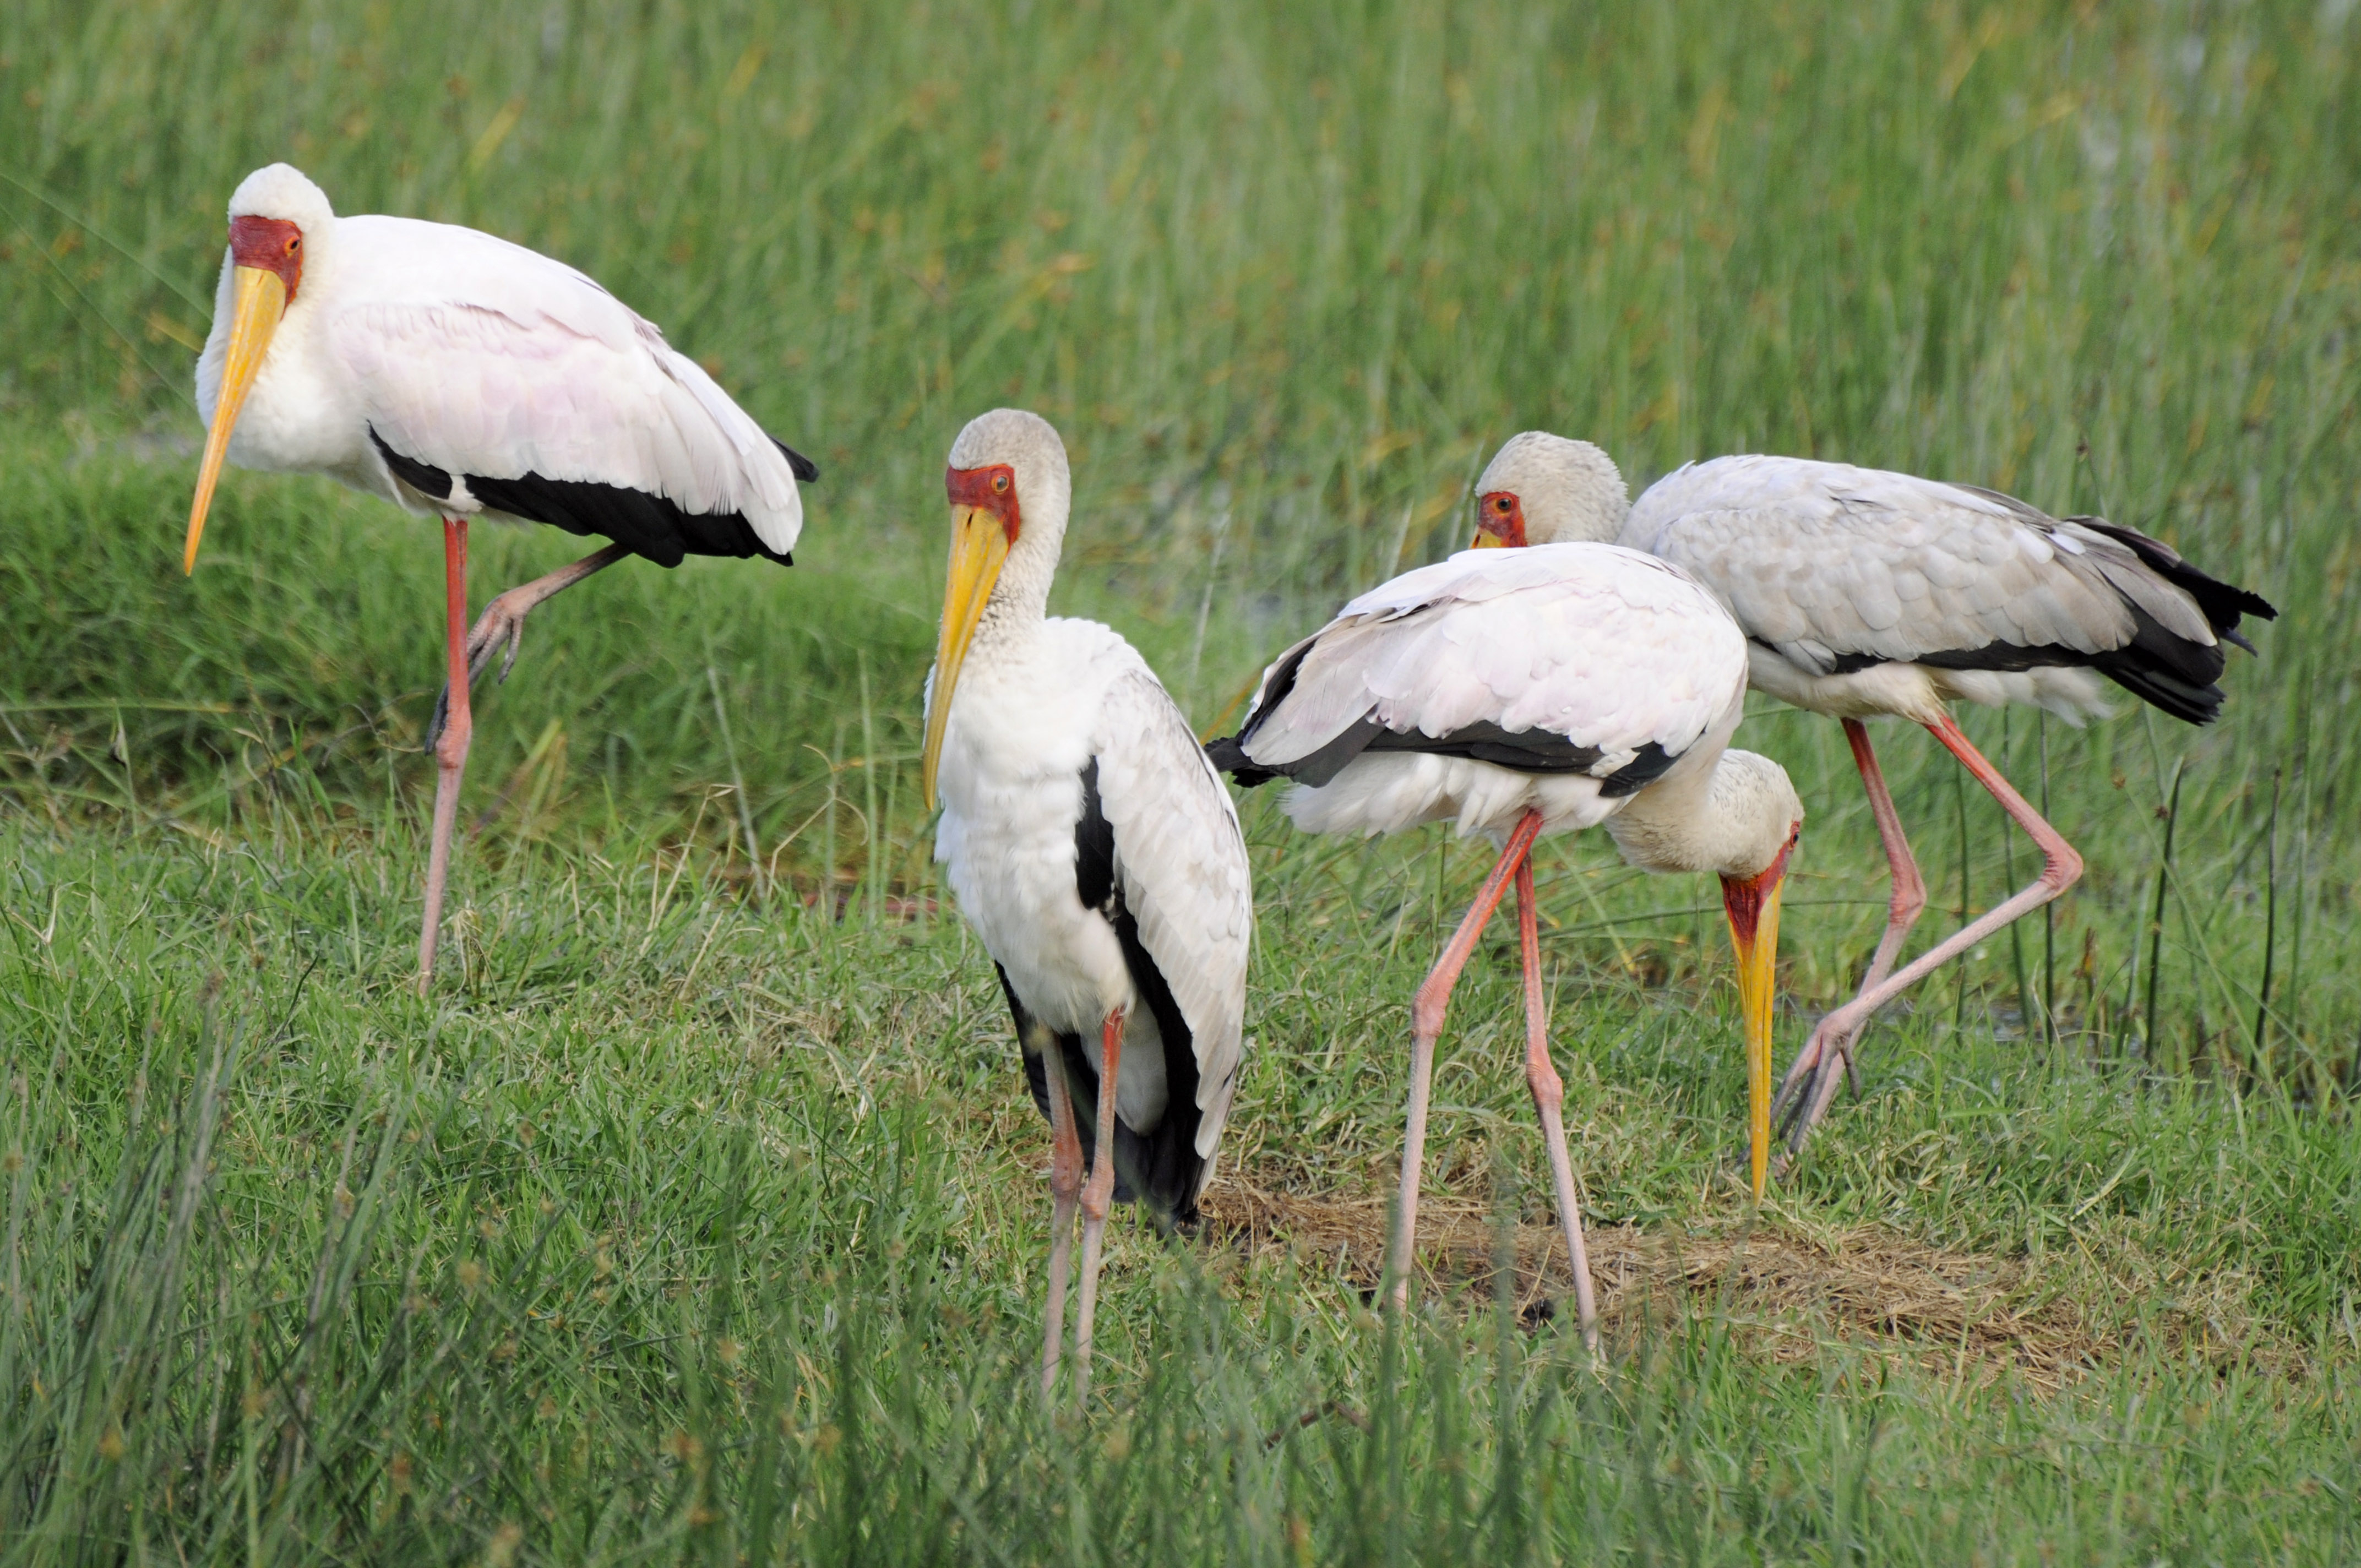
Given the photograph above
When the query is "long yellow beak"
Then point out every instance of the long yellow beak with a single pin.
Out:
(979, 549)
(259, 298)
(1489, 542)
(1754, 909)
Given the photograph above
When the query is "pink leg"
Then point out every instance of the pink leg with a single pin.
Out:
(1427, 1023)
(1098, 1193)
(503, 622)
(1065, 1188)
(451, 748)
(1909, 902)
(1549, 1096)
(2060, 868)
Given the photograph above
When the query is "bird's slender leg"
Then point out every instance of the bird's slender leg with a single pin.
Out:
(1065, 1189)
(1549, 1096)
(450, 747)
(1426, 1012)
(503, 622)
(1098, 1193)
(2061, 867)
(1909, 901)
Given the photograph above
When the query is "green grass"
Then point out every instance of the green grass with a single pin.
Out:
(697, 1215)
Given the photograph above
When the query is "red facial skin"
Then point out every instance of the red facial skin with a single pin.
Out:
(991, 488)
(274, 245)
(1742, 896)
(1501, 515)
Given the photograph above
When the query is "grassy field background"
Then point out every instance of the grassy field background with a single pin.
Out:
(698, 1215)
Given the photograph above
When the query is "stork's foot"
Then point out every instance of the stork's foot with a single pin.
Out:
(1825, 1061)
(501, 625)
(1803, 1073)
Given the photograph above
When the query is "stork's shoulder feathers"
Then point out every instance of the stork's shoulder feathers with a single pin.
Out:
(409, 261)
(483, 357)
(1180, 862)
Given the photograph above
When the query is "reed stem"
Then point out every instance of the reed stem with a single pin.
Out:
(2156, 918)
(2270, 916)
(2008, 868)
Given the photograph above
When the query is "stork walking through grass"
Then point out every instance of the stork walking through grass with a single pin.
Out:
(458, 375)
(1095, 852)
(1541, 691)
(1866, 594)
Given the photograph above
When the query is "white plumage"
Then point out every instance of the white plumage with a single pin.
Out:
(1826, 565)
(474, 356)
(1609, 650)
(1032, 714)
(1094, 851)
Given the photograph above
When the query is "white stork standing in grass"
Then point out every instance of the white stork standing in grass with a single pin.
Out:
(1538, 691)
(455, 375)
(1866, 594)
(1096, 854)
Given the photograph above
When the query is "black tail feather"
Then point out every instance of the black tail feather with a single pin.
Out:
(2222, 603)
(806, 470)
(1230, 756)
(2168, 670)
(1160, 1169)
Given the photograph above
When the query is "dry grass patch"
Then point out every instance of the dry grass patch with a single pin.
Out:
(1786, 1291)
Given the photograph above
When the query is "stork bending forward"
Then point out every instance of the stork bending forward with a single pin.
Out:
(1542, 691)
(458, 375)
(1095, 852)
(1866, 593)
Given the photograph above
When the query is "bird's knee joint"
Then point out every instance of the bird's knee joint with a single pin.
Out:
(451, 750)
(1549, 1088)
(1426, 1016)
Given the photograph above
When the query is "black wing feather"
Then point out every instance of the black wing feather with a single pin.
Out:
(1522, 750)
(645, 524)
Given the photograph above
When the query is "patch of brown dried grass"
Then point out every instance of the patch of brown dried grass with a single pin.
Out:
(1785, 1292)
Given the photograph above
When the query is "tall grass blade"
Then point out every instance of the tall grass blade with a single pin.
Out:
(2271, 919)
(2156, 918)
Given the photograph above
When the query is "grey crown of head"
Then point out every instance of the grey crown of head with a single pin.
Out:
(1570, 491)
(1018, 437)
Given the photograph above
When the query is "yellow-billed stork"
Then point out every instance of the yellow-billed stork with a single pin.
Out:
(1866, 594)
(455, 375)
(1095, 852)
(1540, 691)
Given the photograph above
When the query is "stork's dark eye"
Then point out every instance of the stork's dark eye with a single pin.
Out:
(294, 244)
(1501, 505)
(1000, 484)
